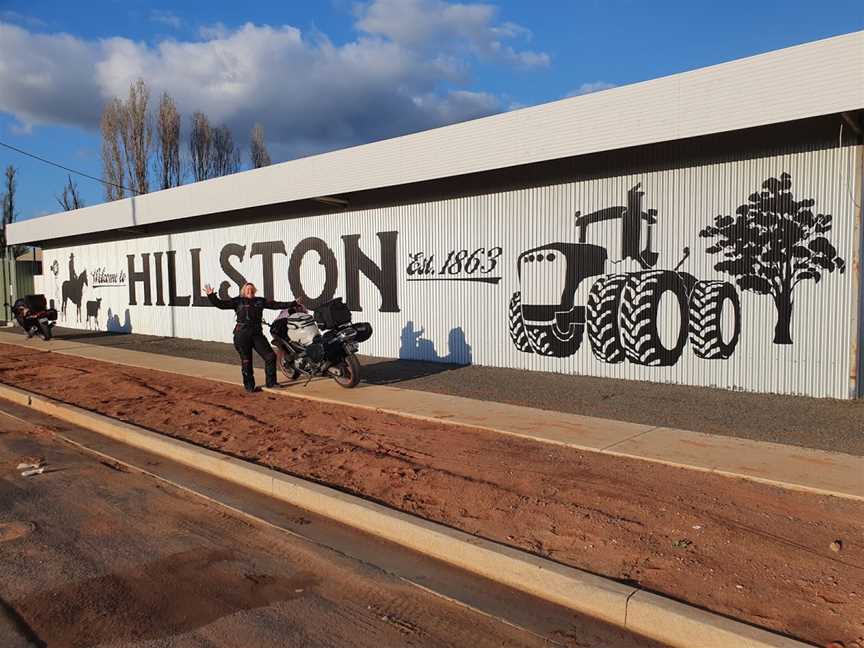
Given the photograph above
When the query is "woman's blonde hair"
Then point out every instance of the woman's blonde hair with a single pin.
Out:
(248, 283)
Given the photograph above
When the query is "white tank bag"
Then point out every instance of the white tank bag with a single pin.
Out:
(302, 328)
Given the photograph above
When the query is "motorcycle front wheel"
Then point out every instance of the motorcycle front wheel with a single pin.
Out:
(290, 372)
(349, 370)
(44, 331)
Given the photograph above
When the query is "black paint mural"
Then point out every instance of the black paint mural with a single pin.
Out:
(73, 289)
(772, 244)
(477, 265)
(383, 277)
(568, 290)
(645, 317)
(93, 308)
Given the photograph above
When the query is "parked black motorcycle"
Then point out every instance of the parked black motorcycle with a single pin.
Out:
(320, 344)
(33, 315)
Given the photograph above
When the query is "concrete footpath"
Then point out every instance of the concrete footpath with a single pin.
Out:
(782, 465)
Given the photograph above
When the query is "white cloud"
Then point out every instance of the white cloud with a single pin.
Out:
(22, 19)
(166, 17)
(53, 82)
(399, 75)
(214, 31)
(588, 88)
(449, 27)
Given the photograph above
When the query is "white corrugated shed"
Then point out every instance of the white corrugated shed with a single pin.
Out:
(819, 78)
(444, 275)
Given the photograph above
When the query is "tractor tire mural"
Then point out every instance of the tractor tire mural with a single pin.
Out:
(708, 301)
(545, 340)
(640, 323)
(604, 305)
(517, 326)
(542, 339)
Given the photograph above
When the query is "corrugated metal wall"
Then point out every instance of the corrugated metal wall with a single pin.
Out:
(452, 266)
(16, 280)
(858, 350)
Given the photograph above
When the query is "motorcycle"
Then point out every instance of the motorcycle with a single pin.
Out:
(32, 314)
(323, 343)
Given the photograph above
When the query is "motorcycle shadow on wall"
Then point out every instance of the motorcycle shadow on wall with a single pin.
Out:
(113, 325)
(418, 357)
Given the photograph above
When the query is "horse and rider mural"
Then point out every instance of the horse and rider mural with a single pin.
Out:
(73, 289)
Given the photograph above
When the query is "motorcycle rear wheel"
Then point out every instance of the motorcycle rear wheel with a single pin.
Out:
(350, 372)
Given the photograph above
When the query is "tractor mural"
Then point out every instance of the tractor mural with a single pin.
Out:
(644, 316)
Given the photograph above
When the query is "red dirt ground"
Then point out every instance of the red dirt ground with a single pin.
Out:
(751, 551)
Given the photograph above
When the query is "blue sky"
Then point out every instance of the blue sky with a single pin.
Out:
(322, 75)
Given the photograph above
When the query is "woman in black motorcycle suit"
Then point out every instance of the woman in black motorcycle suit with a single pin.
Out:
(247, 331)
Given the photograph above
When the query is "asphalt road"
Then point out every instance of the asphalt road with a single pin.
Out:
(826, 424)
(95, 553)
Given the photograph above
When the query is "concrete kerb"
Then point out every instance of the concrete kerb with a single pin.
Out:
(651, 615)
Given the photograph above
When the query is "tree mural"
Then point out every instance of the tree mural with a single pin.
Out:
(772, 244)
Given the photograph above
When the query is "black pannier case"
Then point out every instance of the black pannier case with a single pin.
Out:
(36, 302)
(364, 331)
(332, 314)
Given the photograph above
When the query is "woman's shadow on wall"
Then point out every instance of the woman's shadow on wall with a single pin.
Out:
(418, 357)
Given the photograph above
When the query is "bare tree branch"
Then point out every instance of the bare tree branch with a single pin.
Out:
(8, 196)
(70, 198)
(258, 154)
(200, 145)
(113, 166)
(167, 150)
(136, 134)
(225, 156)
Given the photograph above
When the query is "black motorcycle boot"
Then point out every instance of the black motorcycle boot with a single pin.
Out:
(270, 369)
(248, 374)
(249, 382)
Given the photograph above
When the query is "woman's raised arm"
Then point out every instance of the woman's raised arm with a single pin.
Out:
(277, 305)
(214, 299)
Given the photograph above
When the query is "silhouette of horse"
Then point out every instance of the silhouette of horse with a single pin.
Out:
(72, 289)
